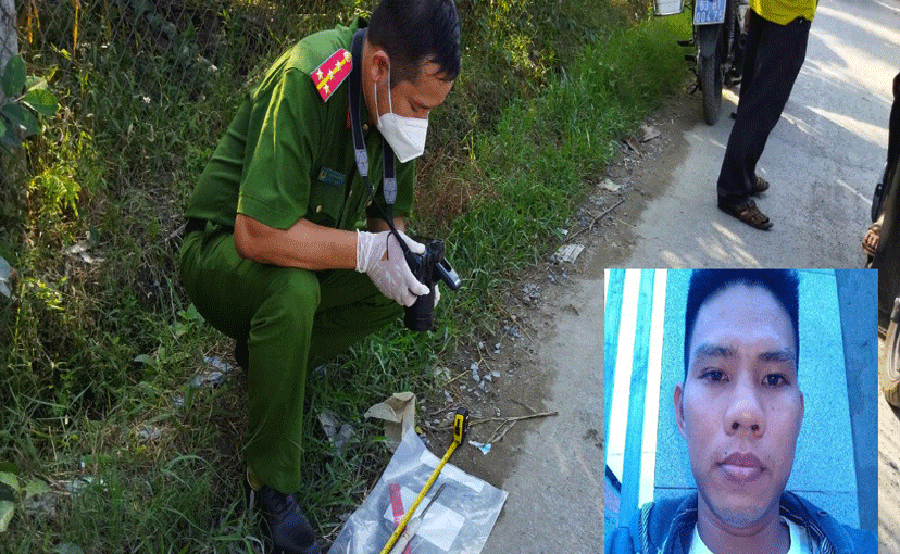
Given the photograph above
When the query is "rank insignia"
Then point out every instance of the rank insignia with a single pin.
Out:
(329, 76)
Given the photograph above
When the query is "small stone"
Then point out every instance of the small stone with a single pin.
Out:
(480, 345)
(149, 433)
(489, 377)
(610, 186)
(495, 374)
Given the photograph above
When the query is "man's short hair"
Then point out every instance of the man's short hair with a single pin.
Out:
(705, 283)
(415, 31)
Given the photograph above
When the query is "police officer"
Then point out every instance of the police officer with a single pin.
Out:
(273, 256)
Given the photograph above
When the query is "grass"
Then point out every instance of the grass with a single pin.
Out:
(97, 353)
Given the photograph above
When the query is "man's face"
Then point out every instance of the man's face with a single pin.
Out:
(740, 406)
(408, 98)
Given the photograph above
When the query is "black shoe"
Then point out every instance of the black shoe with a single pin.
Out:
(289, 528)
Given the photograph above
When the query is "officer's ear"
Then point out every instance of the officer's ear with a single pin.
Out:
(380, 68)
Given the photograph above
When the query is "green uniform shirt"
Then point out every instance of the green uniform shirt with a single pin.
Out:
(289, 155)
(784, 11)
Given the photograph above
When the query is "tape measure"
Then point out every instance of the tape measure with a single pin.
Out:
(460, 426)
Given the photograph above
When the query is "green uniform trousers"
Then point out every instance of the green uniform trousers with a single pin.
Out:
(292, 319)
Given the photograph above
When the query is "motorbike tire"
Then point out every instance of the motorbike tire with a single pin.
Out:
(709, 69)
(890, 359)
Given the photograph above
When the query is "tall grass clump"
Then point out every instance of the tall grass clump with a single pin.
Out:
(546, 149)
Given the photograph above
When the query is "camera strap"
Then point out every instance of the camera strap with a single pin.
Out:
(359, 143)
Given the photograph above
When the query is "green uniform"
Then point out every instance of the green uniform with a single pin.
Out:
(288, 154)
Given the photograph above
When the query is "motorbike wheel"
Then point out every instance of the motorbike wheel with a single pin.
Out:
(709, 69)
(890, 359)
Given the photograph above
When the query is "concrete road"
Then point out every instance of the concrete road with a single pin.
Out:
(822, 159)
(555, 490)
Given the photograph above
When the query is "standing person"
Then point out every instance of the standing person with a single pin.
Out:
(273, 256)
(881, 242)
(777, 35)
(870, 238)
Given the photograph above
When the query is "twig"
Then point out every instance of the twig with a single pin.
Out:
(596, 219)
(530, 409)
(178, 231)
(501, 431)
(458, 376)
(512, 418)
(516, 319)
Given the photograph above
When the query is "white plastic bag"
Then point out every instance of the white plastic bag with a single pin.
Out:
(459, 521)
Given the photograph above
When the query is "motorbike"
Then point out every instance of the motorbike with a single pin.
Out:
(889, 360)
(886, 204)
(719, 40)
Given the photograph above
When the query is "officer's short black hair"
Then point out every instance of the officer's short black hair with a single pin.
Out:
(415, 31)
(784, 285)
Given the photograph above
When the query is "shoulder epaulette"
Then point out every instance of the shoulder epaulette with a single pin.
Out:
(332, 72)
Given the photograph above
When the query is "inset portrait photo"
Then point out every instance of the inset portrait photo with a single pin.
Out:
(741, 411)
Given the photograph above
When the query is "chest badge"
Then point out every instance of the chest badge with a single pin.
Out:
(332, 72)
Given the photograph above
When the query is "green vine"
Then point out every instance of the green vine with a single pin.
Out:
(22, 95)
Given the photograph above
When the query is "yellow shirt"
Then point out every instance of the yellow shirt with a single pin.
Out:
(783, 12)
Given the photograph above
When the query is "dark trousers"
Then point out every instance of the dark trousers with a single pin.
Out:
(291, 319)
(773, 59)
(893, 149)
(887, 255)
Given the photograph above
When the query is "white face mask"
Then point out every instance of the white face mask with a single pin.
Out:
(406, 135)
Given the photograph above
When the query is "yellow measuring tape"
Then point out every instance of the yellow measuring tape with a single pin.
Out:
(460, 424)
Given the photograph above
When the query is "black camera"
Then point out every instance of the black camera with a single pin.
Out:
(428, 268)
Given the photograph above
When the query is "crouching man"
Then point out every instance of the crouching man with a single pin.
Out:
(273, 256)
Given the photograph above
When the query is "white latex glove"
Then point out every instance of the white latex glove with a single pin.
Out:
(390, 274)
(437, 294)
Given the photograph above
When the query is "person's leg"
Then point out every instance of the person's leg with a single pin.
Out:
(351, 308)
(893, 149)
(273, 309)
(775, 66)
(754, 29)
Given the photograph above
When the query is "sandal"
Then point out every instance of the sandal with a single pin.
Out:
(759, 185)
(870, 239)
(748, 213)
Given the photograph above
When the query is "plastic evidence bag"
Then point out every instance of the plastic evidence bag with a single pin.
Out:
(459, 521)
